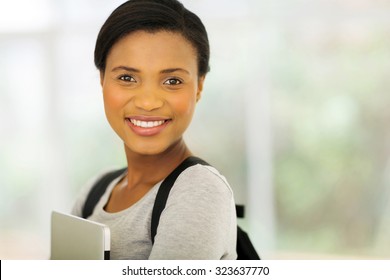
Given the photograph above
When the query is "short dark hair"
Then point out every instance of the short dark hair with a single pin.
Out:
(153, 16)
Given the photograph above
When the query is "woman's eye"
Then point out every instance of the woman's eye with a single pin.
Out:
(172, 82)
(127, 78)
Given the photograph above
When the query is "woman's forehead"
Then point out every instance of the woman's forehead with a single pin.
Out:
(144, 48)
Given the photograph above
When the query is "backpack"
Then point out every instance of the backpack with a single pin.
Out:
(244, 247)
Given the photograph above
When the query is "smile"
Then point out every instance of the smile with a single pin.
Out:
(147, 124)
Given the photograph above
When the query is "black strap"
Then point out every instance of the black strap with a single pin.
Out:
(244, 247)
(165, 188)
(240, 211)
(98, 190)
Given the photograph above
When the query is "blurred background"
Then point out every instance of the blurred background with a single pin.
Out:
(293, 113)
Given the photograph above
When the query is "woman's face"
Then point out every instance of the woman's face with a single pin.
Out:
(150, 89)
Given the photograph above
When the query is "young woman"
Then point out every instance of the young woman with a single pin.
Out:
(153, 58)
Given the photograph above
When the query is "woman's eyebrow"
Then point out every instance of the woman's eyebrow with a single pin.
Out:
(164, 71)
(126, 68)
(171, 70)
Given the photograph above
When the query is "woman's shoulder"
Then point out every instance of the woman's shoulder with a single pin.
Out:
(87, 187)
(201, 177)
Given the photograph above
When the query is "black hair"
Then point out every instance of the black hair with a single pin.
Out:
(153, 16)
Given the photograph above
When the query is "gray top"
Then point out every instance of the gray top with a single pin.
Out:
(198, 222)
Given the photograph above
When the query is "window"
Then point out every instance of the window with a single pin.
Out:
(296, 101)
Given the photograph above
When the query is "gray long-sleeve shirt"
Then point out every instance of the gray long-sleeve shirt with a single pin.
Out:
(198, 222)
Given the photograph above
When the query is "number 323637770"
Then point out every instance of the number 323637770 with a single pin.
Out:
(245, 270)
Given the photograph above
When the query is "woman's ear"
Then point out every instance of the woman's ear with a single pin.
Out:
(200, 87)
(101, 77)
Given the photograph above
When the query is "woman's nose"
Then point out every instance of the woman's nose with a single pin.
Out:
(148, 100)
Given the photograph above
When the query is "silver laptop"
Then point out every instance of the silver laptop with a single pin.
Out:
(75, 238)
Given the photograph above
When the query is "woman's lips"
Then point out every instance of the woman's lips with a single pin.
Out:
(147, 126)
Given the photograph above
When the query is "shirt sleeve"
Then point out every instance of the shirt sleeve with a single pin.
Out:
(199, 220)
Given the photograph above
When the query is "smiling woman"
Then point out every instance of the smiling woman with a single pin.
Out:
(153, 59)
(154, 94)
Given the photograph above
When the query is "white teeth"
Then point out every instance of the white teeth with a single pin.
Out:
(146, 124)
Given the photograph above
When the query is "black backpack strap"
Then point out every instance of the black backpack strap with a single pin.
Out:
(98, 190)
(165, 188)
(244, 247)
(240, 211)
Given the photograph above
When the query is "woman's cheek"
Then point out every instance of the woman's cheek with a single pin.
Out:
(184, 106)
(113, 99)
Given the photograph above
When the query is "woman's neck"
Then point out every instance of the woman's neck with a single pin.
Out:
(151, 169)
